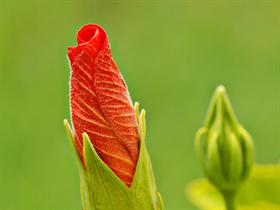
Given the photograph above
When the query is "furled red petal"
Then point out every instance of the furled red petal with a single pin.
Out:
(101, 105)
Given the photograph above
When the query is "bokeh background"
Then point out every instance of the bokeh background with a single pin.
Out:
(172, 54)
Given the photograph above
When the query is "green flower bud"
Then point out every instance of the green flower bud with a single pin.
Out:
(224, 147)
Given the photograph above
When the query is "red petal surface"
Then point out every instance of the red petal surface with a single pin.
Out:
(101, 105)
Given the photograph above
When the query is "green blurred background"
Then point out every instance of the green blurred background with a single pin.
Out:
(172, 53)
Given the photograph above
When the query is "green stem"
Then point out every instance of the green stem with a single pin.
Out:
(229, 201)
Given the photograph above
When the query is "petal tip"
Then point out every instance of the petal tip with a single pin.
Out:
(88, 32)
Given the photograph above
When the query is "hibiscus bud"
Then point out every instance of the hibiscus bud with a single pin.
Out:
(224, 147)
(108, 131)
(100, 103)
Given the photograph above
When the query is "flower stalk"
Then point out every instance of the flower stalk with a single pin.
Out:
(229, 201)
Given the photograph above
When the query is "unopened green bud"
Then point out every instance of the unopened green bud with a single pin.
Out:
(224, 147)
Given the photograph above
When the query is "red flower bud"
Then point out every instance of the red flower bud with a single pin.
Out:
(101, 105)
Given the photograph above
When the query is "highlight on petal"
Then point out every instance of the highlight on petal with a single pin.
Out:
(101, 105)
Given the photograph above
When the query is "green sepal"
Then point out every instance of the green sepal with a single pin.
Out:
(72, 142)
(101, 189)
(236, 162)
(213, 161)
